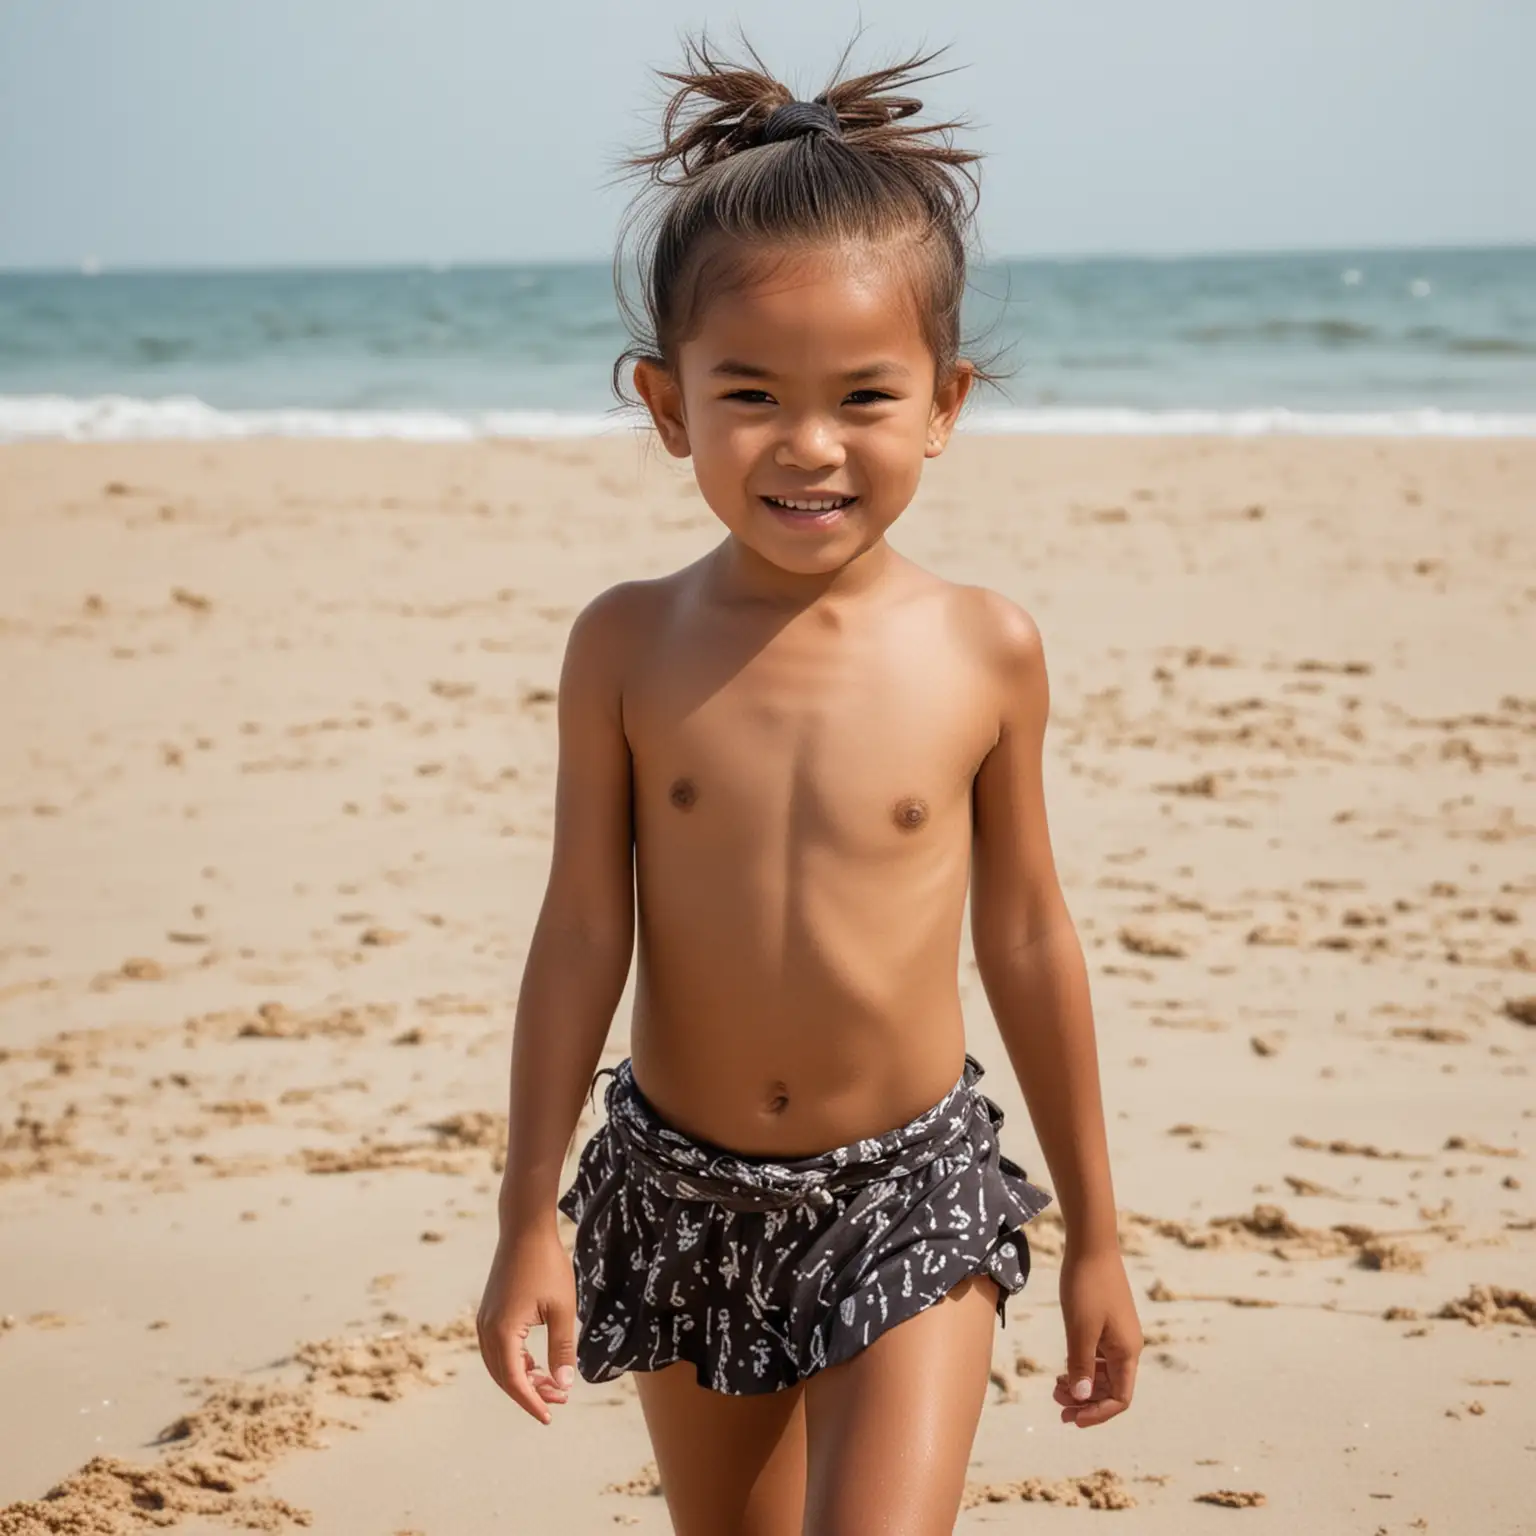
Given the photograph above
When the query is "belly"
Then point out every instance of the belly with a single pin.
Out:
(795, 994)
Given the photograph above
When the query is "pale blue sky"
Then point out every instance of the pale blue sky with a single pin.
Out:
(269, 132)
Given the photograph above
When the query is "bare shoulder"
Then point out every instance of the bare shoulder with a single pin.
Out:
(1003, 640)
(616, 627)
(621, 612)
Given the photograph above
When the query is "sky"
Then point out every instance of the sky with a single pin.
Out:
(217, 133)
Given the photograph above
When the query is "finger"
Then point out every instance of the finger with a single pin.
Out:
(1103, 1405)
(1100, 1412)
(560, 1327)
(1120, 1365)
(1100, 1377)
(518, 1386)
(1062, 1391)
(1082, 1355)
(493, 1352)
(540, 1379)
(1074, 1410)
(547, 1387)
(550, 1392)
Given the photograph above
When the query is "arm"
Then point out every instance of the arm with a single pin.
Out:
(577, 963)
(1036, 981)
(579, 956)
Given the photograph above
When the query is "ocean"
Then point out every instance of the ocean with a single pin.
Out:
(1427, 342)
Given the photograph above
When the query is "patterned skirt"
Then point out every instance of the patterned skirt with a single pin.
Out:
(759, 1272)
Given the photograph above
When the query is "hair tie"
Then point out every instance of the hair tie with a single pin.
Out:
(796, 119)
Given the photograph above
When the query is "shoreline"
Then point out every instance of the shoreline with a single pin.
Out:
(188, 420)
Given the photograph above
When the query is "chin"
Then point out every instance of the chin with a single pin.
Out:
(812, 556)
(805, 563)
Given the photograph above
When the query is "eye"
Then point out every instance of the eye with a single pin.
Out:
(868, 397)
(750, 396)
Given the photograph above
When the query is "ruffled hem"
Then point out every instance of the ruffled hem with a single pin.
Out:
(1010, 1271)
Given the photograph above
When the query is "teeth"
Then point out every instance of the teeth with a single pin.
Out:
(810, 506)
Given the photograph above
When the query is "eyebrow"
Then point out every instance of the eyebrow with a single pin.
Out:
(730, 368)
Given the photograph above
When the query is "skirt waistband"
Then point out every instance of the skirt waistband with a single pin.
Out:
(681, 1168)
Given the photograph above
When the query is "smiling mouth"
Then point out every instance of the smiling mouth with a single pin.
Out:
(810, 505)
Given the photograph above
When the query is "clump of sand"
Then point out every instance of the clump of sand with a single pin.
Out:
(384, 1366)
(218, 1449)
(1383, 1253)
(276, 1021)
(1478, 1147)
(1487, 1304)
(1160, 946)
(242, 1428)
(1341, 1148)
(1161, 1291)
(30, 1145)
(1269, 1229)
(470, 1132)
(646, 1483)
(1101, 1489)
(111, 1497)
(231, 1440)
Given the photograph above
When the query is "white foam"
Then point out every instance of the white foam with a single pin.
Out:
(1427, 421)
(118, 418)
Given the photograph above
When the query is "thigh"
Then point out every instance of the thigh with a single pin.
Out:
(730, 1466)
(890, 1431)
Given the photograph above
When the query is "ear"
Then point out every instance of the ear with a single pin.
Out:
(947, 400)
(663, 398)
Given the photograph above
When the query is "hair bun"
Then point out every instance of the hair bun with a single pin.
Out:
(796, 119)
(719, 109)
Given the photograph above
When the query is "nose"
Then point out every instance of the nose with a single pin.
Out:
(810, 443)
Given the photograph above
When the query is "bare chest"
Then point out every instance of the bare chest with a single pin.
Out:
(859, 748)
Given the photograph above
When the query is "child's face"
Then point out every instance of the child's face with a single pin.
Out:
(814, 385)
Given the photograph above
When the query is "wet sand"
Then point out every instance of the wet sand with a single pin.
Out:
(275, 801)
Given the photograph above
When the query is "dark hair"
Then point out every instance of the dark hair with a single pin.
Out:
(737, 178)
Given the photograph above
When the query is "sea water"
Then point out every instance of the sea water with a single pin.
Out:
(1404, 342)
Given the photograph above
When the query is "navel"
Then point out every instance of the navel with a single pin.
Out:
(778, 1098)
(909, 814)
(683, 794)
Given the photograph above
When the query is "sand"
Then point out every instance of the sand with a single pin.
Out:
(275, 801)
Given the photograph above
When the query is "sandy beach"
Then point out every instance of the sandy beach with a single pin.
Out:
(277, 746)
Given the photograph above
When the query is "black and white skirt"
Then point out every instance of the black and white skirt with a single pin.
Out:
(759, 1272)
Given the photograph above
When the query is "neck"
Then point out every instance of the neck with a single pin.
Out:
(742, 575)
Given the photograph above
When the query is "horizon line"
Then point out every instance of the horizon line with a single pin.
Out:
(93, 266)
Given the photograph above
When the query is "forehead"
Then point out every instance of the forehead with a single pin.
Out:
(820, 311)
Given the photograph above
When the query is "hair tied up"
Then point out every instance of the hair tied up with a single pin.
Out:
(719, 109)
(795, 119)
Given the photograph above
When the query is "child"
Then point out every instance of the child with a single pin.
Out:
(793, 758)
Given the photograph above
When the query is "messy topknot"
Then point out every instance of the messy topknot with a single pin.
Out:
(743, 170)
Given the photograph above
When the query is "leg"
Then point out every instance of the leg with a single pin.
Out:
(890, 1430)
(730, 1466)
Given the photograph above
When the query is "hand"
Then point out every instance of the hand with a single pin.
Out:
(1103, 1338)
(531, 1282)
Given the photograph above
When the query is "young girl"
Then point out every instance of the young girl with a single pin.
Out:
(792, 759)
